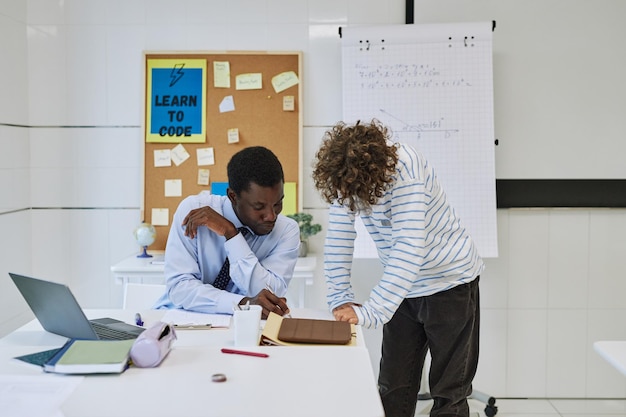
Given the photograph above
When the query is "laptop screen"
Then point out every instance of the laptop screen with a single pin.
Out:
(55, 307)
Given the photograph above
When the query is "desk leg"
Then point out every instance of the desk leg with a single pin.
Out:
(297, 293)
(125, 284)
(302, 289)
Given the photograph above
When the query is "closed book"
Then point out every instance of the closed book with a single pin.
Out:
(91, 357)
(329, 332)
(297, 332)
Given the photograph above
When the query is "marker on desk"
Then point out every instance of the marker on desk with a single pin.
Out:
(245, 352)
(138, 320)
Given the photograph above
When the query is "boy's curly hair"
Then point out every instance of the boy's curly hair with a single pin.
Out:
(354, 164)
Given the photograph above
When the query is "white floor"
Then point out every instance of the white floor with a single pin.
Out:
(543, 408)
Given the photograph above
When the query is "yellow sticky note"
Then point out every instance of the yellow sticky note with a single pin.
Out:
(284, 80)
(206, 156)
(250, 81)
(173, 188)
(162, 158)
(179, 154)
(203, 176)
(221, 74)
(233, 135)
(289, 103)
(160, 217)
(290, 205)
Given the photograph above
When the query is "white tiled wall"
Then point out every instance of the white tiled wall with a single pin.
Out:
(539, 318)
(76, 80)
(15, 229)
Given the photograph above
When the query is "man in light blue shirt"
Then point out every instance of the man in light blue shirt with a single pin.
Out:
(427, 297)
(244, 228)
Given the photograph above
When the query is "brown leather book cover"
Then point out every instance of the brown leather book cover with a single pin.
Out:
(329, 332)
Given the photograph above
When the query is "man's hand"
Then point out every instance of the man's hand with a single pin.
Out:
(206, 216)
(345, 312)
(270, 303)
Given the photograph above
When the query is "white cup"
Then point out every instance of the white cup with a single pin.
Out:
(247, 325)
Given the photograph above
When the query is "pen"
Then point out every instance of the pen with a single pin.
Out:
(192, 326)
(138, 320)
(243, 352)
(269, 288)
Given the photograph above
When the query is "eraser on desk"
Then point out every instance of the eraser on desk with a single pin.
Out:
(153, 345)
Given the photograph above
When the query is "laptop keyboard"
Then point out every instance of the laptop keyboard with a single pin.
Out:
(39, 358)
(107, 333)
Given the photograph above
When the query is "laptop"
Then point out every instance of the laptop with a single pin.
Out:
(57, 310)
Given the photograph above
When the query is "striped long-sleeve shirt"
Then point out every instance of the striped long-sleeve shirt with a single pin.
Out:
(422, 245)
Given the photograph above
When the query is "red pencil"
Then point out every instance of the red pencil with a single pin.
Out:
(243, 352)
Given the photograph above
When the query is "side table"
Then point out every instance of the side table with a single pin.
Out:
(150, 271)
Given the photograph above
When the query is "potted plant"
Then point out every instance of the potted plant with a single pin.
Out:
(306, 230)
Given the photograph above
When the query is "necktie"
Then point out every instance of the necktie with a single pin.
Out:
(223, 277)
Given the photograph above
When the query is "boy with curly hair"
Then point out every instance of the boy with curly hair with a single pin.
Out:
(427, 297)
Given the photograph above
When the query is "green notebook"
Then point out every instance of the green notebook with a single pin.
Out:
(91, 357)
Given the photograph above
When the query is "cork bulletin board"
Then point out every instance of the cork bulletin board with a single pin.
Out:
(201, 108)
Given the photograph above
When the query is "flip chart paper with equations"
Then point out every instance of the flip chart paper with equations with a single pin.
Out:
(432, 85)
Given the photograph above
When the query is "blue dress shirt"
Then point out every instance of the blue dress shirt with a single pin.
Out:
(256, 262)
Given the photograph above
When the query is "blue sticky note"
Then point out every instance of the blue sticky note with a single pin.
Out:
(219, 188)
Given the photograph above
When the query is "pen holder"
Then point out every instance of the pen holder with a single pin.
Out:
(153, 345)
(247, 325)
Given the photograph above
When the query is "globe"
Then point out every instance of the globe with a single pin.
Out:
(145, 235)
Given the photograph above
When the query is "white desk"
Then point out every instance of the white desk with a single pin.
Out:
(293, 381)
(614, 352)
(150, 271)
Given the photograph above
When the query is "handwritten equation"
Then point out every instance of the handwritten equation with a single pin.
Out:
(420, 129)
(404, 76)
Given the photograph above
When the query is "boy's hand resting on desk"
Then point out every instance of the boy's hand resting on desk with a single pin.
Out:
(270, 303)
(345, 312)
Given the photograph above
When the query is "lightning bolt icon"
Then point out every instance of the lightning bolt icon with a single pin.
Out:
(176, 74)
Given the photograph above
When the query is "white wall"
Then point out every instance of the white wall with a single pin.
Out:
(559, 98)
(557, 287)
(77, 82)
(15, 230)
